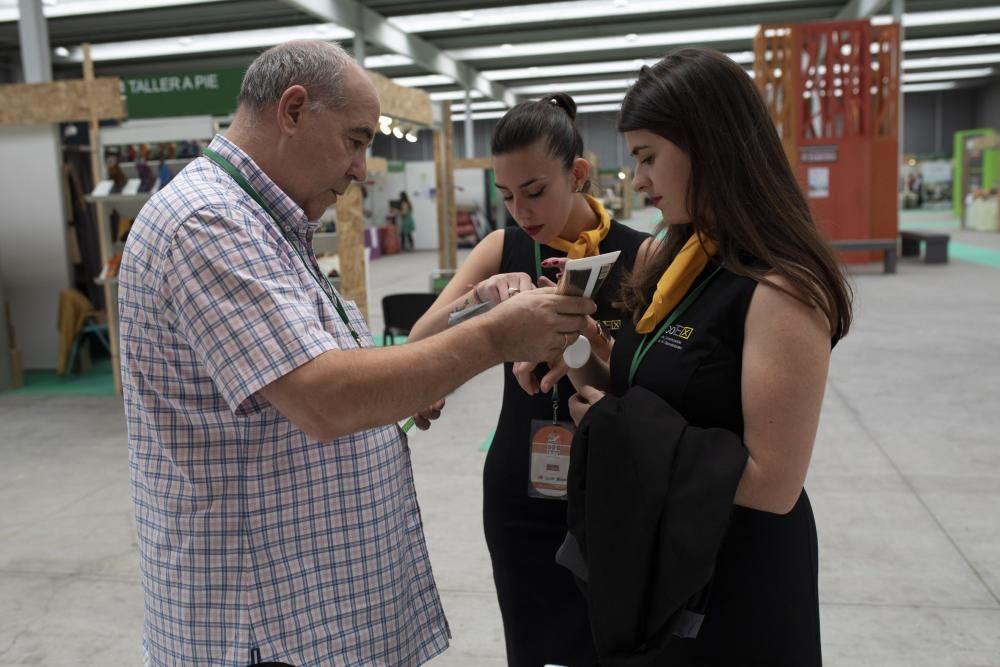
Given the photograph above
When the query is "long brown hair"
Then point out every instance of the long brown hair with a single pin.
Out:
(742, 192)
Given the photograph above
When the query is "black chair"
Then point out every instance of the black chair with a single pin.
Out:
(401, 312)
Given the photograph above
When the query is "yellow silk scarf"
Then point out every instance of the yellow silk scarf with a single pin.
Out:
(677, 280)
(586, 245)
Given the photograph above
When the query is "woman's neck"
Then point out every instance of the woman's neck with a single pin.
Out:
(582, 218)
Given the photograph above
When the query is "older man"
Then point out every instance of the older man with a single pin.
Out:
(273, 493)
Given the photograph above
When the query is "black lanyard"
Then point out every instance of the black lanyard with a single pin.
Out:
(555, 386)
(323, 282)
(647, 341)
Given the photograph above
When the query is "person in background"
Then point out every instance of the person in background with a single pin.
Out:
(542, 177)
(274, 500)
(406, 225)
(731, 324)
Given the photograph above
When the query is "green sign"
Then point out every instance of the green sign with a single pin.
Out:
(186, 94)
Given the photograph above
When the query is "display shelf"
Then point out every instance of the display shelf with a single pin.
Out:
(129, 195)
(197, 128)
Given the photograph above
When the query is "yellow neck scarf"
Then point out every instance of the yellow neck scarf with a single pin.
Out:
(677, 280)
(586, 245)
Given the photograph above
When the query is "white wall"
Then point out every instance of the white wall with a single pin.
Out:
(470, 188)
(386, 187)
(5, 378)
(420, 186)
(33, 237)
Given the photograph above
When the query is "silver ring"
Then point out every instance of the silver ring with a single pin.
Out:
(565, 340)
(511, 291)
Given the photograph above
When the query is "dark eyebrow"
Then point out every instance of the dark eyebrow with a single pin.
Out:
(522, 185)
(637, 149)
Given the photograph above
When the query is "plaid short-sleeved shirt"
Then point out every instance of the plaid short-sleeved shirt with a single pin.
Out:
(252, 535)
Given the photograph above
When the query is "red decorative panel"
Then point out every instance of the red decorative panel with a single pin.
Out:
(833, 91)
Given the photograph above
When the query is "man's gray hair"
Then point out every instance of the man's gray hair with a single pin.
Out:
(316, 65)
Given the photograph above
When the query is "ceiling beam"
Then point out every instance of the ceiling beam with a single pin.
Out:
(377, 30)
(861, 9)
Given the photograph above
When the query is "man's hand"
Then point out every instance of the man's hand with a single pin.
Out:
(537, 325)
(423, 419)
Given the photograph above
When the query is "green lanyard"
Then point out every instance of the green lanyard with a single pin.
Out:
(647, 341)
(323, 283)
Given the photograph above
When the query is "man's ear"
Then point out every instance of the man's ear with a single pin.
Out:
(294, 101)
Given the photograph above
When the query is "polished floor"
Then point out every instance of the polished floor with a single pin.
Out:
(905, 482)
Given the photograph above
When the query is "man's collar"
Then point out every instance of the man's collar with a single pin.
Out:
(287, 211)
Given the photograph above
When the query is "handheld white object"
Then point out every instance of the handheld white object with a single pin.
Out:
(577, 353)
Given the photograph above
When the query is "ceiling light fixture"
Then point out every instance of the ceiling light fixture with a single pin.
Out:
(961, 42)
(572, 86)
(945, 75)
(951, 61)
(653, 40)
(950, 17)
(240, 40)
(424, 81)
(479, 106)
(53, 9)
(552, 12)
(387, 60)
(928, 87)
(582, 69)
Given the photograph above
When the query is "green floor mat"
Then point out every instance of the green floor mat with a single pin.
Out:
(96, 381)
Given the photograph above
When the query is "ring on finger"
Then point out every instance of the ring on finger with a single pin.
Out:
(511, 291)
(565, 340)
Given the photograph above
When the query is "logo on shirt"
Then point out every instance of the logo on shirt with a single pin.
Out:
(676, 335)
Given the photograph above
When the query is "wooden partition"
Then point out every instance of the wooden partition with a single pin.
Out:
(833, 91)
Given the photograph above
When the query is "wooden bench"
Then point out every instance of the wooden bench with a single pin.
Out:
(887, 246)
(935, 246)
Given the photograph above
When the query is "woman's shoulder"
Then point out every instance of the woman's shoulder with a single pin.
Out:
(777, 298)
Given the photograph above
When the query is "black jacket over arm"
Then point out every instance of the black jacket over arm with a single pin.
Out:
(650, 499)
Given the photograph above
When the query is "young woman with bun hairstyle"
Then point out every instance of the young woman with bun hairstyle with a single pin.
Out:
(543, 178)
(755, 301)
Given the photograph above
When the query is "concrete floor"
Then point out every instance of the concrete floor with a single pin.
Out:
(905, 483)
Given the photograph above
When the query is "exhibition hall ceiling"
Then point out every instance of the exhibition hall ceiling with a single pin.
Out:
(501, 51)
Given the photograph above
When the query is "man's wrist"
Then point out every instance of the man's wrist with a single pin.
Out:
(493, 340)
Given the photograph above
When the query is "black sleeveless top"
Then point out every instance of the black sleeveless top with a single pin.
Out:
(509, 456)
(763, 606)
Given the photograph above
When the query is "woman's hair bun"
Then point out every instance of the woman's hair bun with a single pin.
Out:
(564, 102)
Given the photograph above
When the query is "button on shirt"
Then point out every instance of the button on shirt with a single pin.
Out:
(252, 535)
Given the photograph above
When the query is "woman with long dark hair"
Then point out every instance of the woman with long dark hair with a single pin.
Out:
(732, 320)
(543, 179)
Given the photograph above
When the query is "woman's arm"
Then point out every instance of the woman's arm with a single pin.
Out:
(786, 355)
(482, 262)
(480, 270)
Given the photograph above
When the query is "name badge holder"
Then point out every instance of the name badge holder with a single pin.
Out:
(550, 441)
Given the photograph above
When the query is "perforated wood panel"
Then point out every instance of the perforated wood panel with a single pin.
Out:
(777, 76)
(833, 91)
